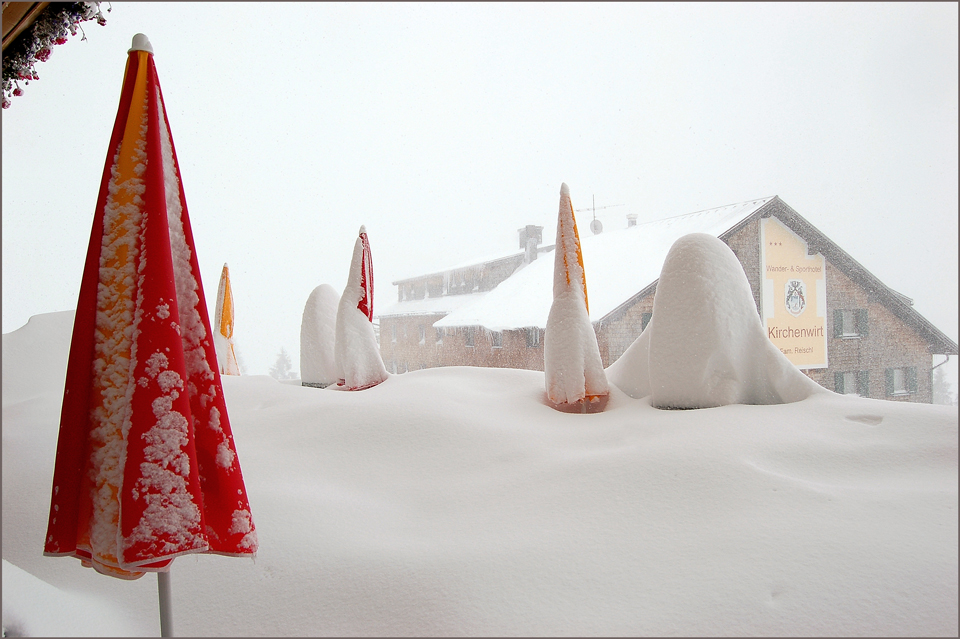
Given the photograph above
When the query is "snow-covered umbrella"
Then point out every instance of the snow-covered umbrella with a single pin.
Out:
(146, 467)
(573, 370)
(223, 333)
(357, 355)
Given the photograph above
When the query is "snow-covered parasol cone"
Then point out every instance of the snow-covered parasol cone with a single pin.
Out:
(357, 355)
(223, 333)
(318, 334)
(146, 469)
(573, 370)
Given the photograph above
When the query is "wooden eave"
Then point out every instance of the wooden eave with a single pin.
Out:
(17, 18)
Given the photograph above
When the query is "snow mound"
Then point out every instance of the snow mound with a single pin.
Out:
(28, 603)
(318, 332)
(705, 345)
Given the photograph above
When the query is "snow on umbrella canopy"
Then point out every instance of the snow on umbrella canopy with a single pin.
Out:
(223, 336)
(146, 468)
(357, 356)
(573, 370)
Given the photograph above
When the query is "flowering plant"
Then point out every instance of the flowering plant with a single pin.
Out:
(36, 42)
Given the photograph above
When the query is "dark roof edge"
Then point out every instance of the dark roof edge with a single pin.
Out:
(513, 256)
(505, 258)
(618, 312)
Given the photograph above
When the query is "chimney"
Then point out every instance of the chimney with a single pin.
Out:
(530, 237)
(631, 219)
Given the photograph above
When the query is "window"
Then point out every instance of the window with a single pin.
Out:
(901, 381)
(393, 333)
(644, 320)
(533, 337)
(422, 330)
(852, 383)
(468, 337)
(497, 339)
(439, 336)
(850, 322)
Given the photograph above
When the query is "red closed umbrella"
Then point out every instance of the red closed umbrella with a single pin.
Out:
(365, 305)
(146, 467)
(356, 354)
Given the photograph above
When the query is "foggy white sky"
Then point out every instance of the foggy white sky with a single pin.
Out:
(446, 127)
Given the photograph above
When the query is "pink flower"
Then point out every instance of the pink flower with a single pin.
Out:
(43, 54)
(60, 40)
(18, 92)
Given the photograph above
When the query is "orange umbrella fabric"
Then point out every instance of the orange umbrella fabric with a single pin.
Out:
(223, 336)
(146, 467)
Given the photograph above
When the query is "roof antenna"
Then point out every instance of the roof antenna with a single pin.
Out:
(596, 226)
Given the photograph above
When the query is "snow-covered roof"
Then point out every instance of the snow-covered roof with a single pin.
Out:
(431, 305)
(618, 265)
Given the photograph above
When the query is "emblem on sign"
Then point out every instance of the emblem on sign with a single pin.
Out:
(796, 297)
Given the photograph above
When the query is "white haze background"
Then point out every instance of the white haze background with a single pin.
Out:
(455, 502)
(446, 127)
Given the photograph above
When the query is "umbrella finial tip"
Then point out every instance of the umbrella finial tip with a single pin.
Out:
(564, 189)
(141, 43)
(363, 229)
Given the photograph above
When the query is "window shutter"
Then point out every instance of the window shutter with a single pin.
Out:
(862, 321)
(838, 382)
(863, 383)
(889, 375)
(912, 379)
(837, 322)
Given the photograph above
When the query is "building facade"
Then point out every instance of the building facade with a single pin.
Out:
(868, 340)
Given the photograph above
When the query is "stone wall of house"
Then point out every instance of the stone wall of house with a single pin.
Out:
(511, 352)
(400, 343)
(615, 336)
(889, 343)
(403, 350)
(745, 244)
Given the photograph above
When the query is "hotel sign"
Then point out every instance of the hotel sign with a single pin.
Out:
(794, 295)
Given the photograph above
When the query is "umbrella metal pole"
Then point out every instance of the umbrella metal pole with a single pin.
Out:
(166, 604)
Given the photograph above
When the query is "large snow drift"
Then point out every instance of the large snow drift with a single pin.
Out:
(452, 501)
(705, 345)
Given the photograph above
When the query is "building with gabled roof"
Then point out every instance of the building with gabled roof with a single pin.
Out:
(829, 315)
